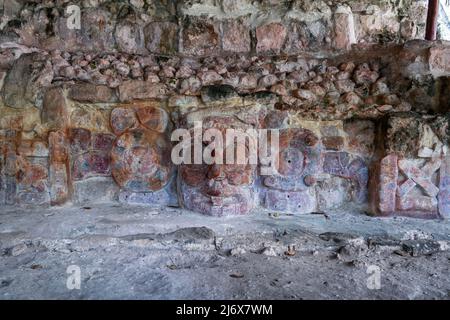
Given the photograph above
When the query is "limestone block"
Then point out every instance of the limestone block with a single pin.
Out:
(236, 36)
(345, 165)
(439, 61)
(25, 82)
(86, 92)
(54, 109)
(141, 90)
(270, 37)
(161, 37)
(344, 28)
(200, 36)
(95, 190)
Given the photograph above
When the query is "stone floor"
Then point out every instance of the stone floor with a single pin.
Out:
(169, 253)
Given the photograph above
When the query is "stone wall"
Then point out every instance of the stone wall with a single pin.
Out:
(86, 116)
(205, 27)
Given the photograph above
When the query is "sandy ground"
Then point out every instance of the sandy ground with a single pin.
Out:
(152, 253)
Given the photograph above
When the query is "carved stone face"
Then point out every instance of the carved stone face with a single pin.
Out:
(140, 156)
(217, 189)
(298, 162)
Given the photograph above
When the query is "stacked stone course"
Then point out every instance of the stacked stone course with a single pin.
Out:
(86, 115)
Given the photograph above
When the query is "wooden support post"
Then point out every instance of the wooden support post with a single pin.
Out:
(433, 13)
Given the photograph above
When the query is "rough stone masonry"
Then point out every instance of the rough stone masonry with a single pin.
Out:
(362, 104)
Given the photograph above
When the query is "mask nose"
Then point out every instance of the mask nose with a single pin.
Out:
(215, 172)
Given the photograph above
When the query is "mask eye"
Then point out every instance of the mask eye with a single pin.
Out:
(291, 162)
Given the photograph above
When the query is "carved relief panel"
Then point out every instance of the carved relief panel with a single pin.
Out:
(140, 155)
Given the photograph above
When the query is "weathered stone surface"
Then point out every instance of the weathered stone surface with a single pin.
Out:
(344, 28)
(24, 83)
(29, 174)
(54, 109)
(190, 86)
(94, 190)
(236, 36)
(116, 26)
(204, 190)
(200, 36)
(407, 134)
(344, 86)
(413, 205)
(439, 61)
(2, 182)
(270, 38)
(218, 189)
(80, 140)
(129, 37)
(297, 38)
(209, 77)
(360, 137)
(300, 202)
(123, 119)
(247, 82)
(218, 93)
(408, 187)
(58, 171)
(90, 117)
(344, 165)
(333, 193)
(102, 141)
(184, 72)
(268, 80)
(140, 160)
(86, 92)
(32, 181)
(408, 28)
(364, 75)
(59, 182)
(444, 188)
(387, 187)
(10, 190)
(298, 162)
(58, 145)
(161, 197)
(98, 30)
(299, 76)
(141, 90)
(404, 136)
(153, 118)
(420, 177)
(418, 248)
(351, 98)
(33, 196)
(33, 148)
(40, 58)
(333, 143)
(91, 164)
(304, 95)
(161, 37)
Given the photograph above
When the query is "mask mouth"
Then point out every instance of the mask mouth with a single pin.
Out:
(225, 204)
(213, 193)
(217, 201)
(282, 183)
(218, 188)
